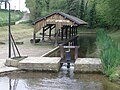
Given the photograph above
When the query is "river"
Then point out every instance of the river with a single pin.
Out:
(66, 79)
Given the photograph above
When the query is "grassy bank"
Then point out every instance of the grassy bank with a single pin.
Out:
(19, 31)
(116, 36)
(15, 16)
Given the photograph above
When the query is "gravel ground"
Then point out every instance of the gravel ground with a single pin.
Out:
(27, 49)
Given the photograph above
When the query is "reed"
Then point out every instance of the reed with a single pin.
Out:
(108, 51)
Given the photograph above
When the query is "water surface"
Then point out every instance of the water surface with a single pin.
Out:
(87, 49)
(64, 80)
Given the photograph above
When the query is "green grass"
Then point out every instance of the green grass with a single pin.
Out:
(15, 16)
(19, 31)
(115, 36)
(109, 53)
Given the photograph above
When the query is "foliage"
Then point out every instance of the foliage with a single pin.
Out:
(109, 52)
(108, 13)
(92, 15)
(102, 13)
(35, 7)
(72, 7)
(15, 16)
(47, 5)
(82, 6)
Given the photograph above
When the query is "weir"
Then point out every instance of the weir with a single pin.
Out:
(67, 58)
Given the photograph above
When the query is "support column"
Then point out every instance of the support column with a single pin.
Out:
(43, 34)
(61, 52)
(76, 52)
(74, 31)
(56, 32)
(62, 30)
(50, 32)
(70, 32)
(66, 30)
(34, 37)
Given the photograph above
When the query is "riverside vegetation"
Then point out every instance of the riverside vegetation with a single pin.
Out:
(15, 16)
(109, 54)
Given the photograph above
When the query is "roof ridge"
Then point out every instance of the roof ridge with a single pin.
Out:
(76, 20)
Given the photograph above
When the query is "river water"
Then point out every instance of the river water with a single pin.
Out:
(66, 79)
(87, 49)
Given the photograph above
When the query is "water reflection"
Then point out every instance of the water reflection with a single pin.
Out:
(66, 79)
(87, 43)
(13, 84)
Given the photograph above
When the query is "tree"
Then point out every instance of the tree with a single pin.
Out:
(35, 7)
(108, 12)
(38, 8)
(72, 7)
(47, 4)
(92, 15)
(114, 12)
(82, 9)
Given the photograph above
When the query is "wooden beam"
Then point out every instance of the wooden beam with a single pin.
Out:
(66, 31)
(43, 34)
(70, 30)
(50, 32)
(62, 30)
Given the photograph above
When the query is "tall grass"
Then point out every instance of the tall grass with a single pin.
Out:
(109, 52)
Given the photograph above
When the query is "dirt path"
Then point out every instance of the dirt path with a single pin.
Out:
(27, 49)
(24, 18)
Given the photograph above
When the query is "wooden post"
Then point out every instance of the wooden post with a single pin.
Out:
(66, 29)
(76, 52)
(62, 30)
(34, 37)
(43, 34)
(50, 32)
(61, 51)
(70, 32)
(74, 31)
(56, 32)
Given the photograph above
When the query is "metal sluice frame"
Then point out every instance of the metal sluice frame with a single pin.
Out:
(11, 41)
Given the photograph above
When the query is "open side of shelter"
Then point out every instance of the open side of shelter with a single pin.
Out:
(58, 24)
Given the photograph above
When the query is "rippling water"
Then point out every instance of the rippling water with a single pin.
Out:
(64, 80)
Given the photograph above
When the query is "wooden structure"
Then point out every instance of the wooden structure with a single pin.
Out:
(64, 26)
(67, 58)
(69, 47)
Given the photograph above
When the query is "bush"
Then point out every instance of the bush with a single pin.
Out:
(109, 52)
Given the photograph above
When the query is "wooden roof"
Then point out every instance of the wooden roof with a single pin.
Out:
(75, 20)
